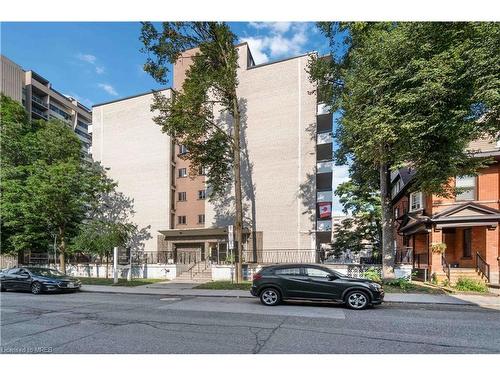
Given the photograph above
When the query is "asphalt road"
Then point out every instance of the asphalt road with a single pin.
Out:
(117, 323)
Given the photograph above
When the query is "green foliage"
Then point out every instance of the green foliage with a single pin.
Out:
(197, 117)
(434, 279)
(402, 283)
(372, 274)
(468, 285)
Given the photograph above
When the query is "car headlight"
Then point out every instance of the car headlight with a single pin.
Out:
(375, 286)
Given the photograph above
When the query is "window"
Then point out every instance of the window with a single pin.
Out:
(202, 194)
(181, 220)
(201, 219)
(467, 244)
(468, 183)
(396, 188)
(316, 272)
(288, 271)
(182, 150)
(182, 196)
(182, 172)
(416, 201)
(396, 213)
(201, 171)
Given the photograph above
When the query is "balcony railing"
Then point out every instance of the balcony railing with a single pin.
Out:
(404, 255)
(40, 101)
(323, 138)
(39, 113)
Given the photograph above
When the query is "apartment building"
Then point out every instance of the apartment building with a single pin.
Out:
(42, 101)
(452, 237)
(286, 167)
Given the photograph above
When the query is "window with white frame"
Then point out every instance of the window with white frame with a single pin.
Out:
(201, 219)
(467, 186)
(181, 220)
(416, 201)
(202, 194)
(182, 196)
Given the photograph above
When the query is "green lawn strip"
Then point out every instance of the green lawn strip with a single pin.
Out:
(224, 285)
(121, 282)
(413, 288)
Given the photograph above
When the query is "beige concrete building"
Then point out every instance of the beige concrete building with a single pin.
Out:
(42, 101)
(286, 167)
(139, 157)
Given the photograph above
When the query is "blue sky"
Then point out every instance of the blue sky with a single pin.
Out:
(96, 62)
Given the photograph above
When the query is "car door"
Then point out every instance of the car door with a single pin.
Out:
(291, 279)
(320, 283)
(7, 278)
(23, 279)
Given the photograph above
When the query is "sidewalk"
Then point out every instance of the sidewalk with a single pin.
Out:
(184, 289)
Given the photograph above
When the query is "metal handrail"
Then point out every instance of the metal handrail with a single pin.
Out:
(482, 266)
(446, 266)
(404, 256)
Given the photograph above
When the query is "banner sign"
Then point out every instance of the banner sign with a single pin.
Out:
(325, 210)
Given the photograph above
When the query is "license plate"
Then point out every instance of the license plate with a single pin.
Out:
(71, 285)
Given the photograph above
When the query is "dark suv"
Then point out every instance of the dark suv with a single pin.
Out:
(273, 284)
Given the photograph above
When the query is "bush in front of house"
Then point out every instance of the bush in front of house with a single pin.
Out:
(468, 285)
(372, 274)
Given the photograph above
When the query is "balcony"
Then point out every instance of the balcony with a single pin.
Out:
(38, 113)
(323, 138)
(324, 123)
(39, 101)
(324, 225)
(324, 152)
(324, 181)
(324, 167)
(58, 116)
(323, 109)
(324, 196)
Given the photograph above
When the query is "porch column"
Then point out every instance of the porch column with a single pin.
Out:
(492, 253)
(435, 258)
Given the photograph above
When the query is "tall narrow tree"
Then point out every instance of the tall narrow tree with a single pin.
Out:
(205, 115)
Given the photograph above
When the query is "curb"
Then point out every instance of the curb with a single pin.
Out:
(463, 303)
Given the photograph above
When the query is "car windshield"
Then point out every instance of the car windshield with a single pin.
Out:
(47, 272)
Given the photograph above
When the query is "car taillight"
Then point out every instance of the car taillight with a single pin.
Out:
(256, 276)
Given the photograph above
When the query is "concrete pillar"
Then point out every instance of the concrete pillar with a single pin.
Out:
(492, 253)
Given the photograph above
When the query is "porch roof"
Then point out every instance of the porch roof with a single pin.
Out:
(467, 215)
(197, 233)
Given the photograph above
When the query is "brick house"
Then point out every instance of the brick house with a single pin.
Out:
(468, 223)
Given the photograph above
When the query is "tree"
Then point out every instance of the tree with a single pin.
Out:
(362, 227)
(46, 186)
(411, 94)
(205, 115)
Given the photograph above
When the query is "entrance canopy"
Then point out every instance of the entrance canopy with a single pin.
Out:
(197, 233)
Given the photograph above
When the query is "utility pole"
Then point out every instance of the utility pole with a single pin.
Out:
(115, 265)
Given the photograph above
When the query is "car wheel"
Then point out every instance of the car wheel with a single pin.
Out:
(357, 300)
(36, 288)
(270, 297)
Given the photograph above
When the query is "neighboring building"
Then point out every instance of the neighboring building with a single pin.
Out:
(42, 101)
(286, 167)
(468, 224)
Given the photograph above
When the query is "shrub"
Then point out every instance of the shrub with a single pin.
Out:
(468, 285)
(372, 274)
(402, 283)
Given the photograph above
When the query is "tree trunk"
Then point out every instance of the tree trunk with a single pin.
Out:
(387, 222)
(62, 250)
(238, 227)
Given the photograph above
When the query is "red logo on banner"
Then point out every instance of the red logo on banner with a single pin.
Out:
(325, 210)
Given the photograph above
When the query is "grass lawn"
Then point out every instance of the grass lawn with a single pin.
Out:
(121, 282)
(413, 287)
(224, 285)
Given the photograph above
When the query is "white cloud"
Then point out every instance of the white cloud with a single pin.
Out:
(91, 59)
(282, 39)
(108, 88)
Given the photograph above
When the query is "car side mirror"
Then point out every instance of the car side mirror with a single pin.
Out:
(331, 277)
(25, 275)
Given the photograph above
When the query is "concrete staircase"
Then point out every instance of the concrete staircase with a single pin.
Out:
(200, 272)
(469, 273)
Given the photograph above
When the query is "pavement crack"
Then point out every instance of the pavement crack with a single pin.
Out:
(259, 344)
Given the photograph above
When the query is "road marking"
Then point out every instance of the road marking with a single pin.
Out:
(170, 299)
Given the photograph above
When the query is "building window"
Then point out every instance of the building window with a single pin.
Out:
(181, 220)
(202, 194)
(183, 172)
(396, 213)
(416, 201)
(201, 171)
(468, 183)
(201, 219)
(396, 188)
(182, 150)
(182, 196)
(467, 244)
